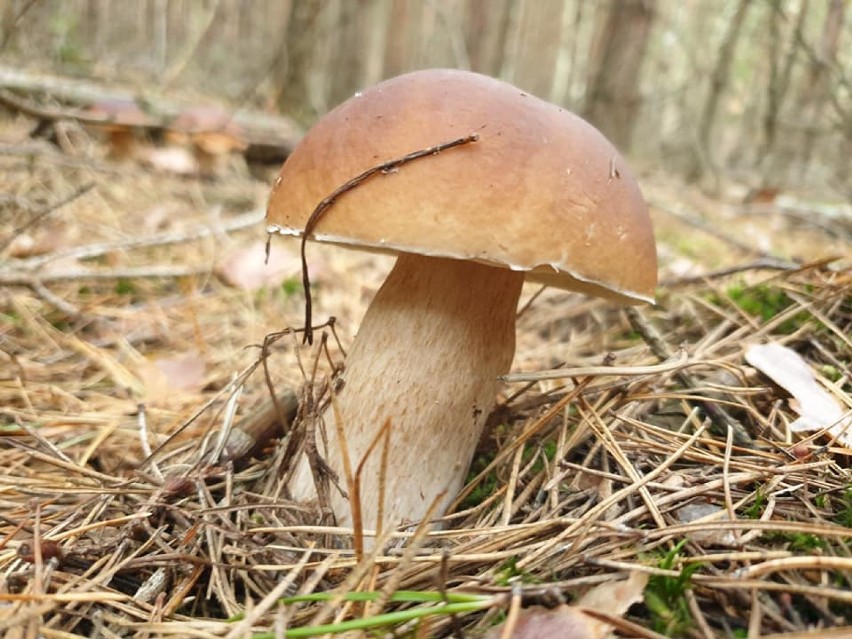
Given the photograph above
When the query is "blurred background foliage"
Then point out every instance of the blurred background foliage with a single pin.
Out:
(753, 90)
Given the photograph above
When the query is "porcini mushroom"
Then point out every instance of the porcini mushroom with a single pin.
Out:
(123, 122)
(540, 194)
(213, 134)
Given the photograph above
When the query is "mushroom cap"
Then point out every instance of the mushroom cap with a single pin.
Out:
(211, 128)
(540, 191)
(119, 112)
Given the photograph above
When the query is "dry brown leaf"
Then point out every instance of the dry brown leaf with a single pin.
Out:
(166, 378)
(615, 597)
(246, 268)
(37, 243)
(183, 372)
(570, 622)
(564, 622)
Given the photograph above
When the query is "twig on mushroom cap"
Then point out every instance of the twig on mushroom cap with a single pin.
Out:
(326, 203)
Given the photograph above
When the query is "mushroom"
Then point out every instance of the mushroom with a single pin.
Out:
(213, 134)
(541, 195)
(121, 121)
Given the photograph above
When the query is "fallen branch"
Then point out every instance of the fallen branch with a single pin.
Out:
(32, 272)
(670, 364)
(129, 273)
(269, 137)
(89, 251)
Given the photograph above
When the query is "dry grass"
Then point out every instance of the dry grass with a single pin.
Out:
(581, 481)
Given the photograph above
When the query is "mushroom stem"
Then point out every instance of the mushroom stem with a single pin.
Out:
(427, 357)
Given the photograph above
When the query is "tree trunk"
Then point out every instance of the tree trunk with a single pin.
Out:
(702, 153)
(612, 93)
(295, 61)
(779, 75)
(486, 25)
(815, 94)
(566, 56)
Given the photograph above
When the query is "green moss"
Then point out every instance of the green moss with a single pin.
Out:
(795, 541)
(509, 573)
(843, 513)
(291, 286)
(759, 301)
(10, 319)
(547, 453)
(124, 286)
(755, 509)
(763, 302)
(831, 373)
(485, 488)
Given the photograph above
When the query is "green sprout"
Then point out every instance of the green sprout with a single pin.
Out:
(665, 595)
(428, 604)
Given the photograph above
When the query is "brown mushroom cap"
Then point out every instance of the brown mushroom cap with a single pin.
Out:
(541, 191)
(210, 128)
(120, 113)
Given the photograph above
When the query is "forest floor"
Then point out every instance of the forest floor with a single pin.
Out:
(132, 320)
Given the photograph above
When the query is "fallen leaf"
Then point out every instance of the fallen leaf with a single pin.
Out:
(817, 409)
(570, 622)
(615, 597)
(564, 622)
(246, 268)
(166, 379)
(44, 241)
(184, 372)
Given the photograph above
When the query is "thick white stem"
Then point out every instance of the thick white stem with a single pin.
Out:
(427, 357)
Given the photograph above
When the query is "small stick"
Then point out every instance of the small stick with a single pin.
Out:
(443, 579)
(669, 363)
(325, 204)
(51, 298)
(227, 425)
(142, 421)
(88, 251)
(762, 264)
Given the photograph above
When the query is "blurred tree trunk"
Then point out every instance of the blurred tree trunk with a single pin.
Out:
(378, 25)
(486, 25)
(566, 56)
(510, 40)
(540, 36)
(816, 92)
(295, 60)
(612, 94)
(779, 74)
(160, 28)
(702, 153)
(96, 19)
(344, 68)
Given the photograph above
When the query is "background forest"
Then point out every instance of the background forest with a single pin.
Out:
(755, 89)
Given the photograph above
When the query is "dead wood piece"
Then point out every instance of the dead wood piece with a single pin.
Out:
(256, 429)
(268, 138)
